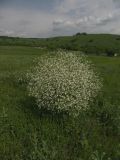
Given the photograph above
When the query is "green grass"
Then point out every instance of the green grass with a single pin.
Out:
(97, 44)
(29, 134)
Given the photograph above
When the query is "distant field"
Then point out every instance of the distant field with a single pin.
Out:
(98, 44)
(29, 134)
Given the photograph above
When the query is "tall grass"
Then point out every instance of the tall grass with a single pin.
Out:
(26, 132)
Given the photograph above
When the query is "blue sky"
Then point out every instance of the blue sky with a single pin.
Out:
(45, 18)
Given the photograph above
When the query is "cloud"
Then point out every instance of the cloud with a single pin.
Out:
(33, 23)
(117, 3)
(30, 4)
(83, 16)
(58, 17)
(58, 22)
(11, 33)
(82, 23)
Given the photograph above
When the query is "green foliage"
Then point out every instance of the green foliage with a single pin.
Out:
(79, 34)
(110, 52)
(98, 44)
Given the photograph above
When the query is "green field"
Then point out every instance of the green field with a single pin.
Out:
(29, 134)
(98, 44)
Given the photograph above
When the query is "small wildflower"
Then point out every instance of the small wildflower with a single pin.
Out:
(64, 82)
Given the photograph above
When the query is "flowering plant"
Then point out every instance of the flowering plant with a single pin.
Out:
(65, 81)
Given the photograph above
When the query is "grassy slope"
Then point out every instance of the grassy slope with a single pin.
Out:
(28, 134)
(90, 43)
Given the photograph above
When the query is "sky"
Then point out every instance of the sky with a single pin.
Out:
(48, 18)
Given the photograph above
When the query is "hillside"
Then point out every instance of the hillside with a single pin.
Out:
(99, 44)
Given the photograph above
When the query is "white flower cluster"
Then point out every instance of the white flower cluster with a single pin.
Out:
(63, 82)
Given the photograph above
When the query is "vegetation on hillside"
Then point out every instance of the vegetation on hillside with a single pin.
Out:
(99, 44)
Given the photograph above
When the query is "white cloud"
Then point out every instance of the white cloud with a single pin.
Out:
(27, 22)
(58, 22)
(88, 15)
(67, 17)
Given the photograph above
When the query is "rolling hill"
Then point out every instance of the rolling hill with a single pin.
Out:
(99, 44)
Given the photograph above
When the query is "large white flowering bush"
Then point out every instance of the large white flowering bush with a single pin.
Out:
(64, 81)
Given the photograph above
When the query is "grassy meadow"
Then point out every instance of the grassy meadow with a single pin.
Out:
(29, 134)
(98, 44)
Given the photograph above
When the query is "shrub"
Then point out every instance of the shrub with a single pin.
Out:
(63, 82)
(110, 52)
